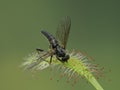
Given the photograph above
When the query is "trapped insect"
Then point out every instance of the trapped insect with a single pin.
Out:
(58, 43)
(70, 63)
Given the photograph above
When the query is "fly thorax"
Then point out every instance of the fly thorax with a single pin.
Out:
(60, 51)
(53, 42)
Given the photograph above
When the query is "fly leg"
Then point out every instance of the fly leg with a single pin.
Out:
(39, 50)
(42, 51)
(58, 58)
(51, 58)
(46, 54)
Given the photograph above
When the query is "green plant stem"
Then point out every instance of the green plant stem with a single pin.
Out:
(94, 82)
(82, 70)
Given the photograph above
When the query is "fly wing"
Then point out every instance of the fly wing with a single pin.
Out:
(37, 58)
(42, 55)
(63, 31)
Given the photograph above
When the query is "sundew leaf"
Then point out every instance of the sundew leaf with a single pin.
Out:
(77, 64)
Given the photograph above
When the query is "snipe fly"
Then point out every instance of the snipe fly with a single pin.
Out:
(58, 43)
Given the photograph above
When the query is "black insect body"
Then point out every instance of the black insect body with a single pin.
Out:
(51, 39)
(58, 50)
(58, 44)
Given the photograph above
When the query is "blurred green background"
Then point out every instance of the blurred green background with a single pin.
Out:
(95, 30)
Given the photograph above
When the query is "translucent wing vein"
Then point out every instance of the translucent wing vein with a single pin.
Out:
(63, 31)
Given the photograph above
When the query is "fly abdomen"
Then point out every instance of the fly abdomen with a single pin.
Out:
(50, 38)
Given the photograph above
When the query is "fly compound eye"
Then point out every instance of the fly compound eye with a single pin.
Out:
(65, 59)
